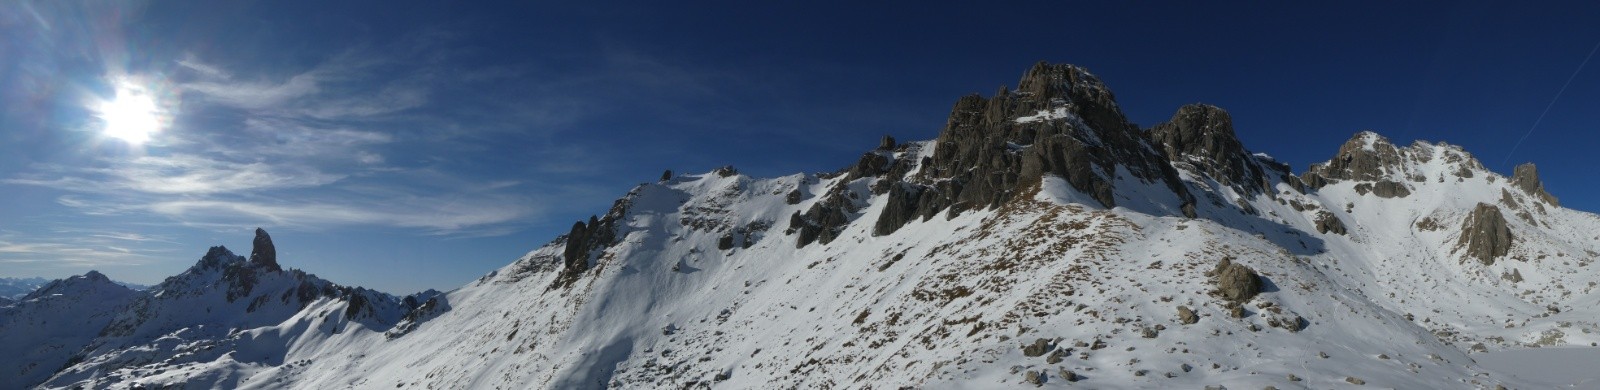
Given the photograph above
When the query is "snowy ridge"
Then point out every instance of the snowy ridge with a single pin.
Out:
(1105, 275)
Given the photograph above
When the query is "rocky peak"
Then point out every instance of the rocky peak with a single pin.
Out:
(1202, 134)
(1061, 121)
(96, 276)
(217, 257)
(1365, 157)
(1526, 178)
(262, 253)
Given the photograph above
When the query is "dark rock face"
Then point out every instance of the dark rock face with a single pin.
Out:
(1061, 120)
(1365, 157)
(1384, 189)
(587, 238)
(871, 164)
(1329, 223)
(262, 253)
(667, 175)
(1236, 282)
(902, 208)
(887, 143)
(1526, 178)
(1485, 235)
(824, 220)
(577, 253)
(1202, 135)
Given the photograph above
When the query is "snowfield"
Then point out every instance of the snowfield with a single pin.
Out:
(706, 284)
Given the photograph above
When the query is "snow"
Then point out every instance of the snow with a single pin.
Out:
(1566, 368)
(943, 303)
(1047, 115)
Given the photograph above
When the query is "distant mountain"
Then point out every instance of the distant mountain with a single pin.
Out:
(13, 288)
(1040, 240)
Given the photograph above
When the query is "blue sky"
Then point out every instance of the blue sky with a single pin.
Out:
(409, 145)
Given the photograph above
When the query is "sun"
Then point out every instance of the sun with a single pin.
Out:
(132, 115)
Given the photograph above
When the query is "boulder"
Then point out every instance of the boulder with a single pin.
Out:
(1187, 316)
(1038, 348)
(1236, 282)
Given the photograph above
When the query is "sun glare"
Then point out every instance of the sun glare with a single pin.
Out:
(132, 115)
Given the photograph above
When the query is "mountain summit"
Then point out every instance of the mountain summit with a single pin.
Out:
(1040, 239)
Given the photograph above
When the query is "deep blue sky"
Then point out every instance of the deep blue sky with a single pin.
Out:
(410, 145)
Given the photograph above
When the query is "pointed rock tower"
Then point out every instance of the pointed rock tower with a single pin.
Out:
(262, 253)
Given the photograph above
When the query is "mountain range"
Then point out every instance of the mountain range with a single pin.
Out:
(1041, 239)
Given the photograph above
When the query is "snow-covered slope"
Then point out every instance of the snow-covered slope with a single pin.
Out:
(45, 329)
(1041, 239)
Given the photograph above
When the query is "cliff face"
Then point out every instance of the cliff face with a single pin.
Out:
(1485, 236)
(1061, 121)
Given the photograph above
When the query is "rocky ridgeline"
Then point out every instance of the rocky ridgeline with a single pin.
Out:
(1063, 121)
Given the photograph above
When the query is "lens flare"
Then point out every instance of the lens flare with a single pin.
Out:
(132, 115)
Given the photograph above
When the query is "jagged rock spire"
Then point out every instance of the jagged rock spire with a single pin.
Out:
(1526, 178)
(262, 253)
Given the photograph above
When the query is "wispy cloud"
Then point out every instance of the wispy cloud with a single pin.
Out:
(435, 215)
(89, 255)
(180, 174)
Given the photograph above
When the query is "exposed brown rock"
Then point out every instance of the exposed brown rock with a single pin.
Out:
(1365, 157)
(987, 152)
(1485, 234)
(1329, 223)
(1236, 282)
(1384, 189)
(1187, 316)
(1526, 178)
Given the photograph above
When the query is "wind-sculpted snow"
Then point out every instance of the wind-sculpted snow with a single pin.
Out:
(1164, 272)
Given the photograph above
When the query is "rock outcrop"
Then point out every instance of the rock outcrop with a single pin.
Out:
(1485, 235)
(1202, 135)
(1329, 223)
(1526, 178)
(1061, 121)
(1365, 157)
(262, 253)
(1236, 282)
(586, 238)
(1384, 189)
